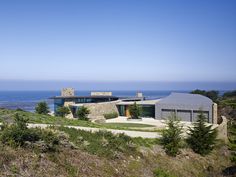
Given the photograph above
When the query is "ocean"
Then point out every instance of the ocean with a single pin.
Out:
(27, 100)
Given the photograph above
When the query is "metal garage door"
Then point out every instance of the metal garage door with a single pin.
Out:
(167, 113)
(196, 113)
(184, 115)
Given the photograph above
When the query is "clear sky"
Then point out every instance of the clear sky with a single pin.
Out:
(118, 40)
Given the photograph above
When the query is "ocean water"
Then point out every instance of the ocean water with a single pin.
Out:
(27, 100)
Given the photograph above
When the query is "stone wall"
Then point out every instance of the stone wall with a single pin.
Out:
(97, 110)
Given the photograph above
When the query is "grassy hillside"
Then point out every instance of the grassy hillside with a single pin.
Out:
(62, 151)
(89, 160)
(81, 153)
(6, 115)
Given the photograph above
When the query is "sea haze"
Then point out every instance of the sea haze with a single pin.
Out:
(17, 85)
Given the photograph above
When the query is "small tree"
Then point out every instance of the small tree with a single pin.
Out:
(42, 108)
(202, 137)
(83, 113)
(171, 137)
(135, 111)
(20, 122)
(62, 111)
(17, 133)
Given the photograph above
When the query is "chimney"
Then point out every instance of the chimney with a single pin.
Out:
(139, 94)
(68, 92)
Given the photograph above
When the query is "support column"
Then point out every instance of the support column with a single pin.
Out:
(214, 113)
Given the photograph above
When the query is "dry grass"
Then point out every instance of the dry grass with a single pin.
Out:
(188, 163)
(68, 162)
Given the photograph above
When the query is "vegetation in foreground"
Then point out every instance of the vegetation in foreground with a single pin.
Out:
(171, 137)
(80, 152)
(84, 153)
(202, 137)
(62, 111)
(42, 108)
(83, 113)
(232, 140)
(7, 116)
(135, 111)
(111, 115)
(18, 134)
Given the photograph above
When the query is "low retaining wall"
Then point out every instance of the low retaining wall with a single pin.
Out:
(222, 129)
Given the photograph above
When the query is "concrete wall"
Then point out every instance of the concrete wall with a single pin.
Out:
(101, 93)
(214, 113)
(97, 110)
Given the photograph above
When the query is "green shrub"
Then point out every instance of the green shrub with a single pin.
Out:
(83, 113)
(212, 94)
(230, 94)
(62, 111)
(232, 140)
(162, 173)
(202, 137)
(18, 134)
(19, 109)
(135, 111)
(171, 137)
(111, 115)
(101, 143)
(233, 157)
(42, 108)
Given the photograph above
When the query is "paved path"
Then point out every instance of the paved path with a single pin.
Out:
(127, 132)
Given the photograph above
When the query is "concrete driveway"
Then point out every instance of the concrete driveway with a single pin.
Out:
(126, 132)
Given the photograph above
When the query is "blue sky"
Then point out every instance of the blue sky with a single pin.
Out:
(118, 40)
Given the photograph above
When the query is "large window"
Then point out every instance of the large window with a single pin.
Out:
(121, 109)
(148, 111)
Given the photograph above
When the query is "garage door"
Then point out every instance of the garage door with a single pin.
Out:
(184, 115)
(167, 113)
(196, 113)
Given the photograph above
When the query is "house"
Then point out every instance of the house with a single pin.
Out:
(186, 106)
(93, 102)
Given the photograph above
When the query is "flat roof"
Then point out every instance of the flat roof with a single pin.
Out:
(75, 97)
(144, 102)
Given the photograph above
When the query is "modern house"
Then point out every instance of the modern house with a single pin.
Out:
(186, 106)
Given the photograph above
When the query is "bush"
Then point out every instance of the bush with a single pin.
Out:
(42, 108)
(212, 94)
(18, 134)
(135, 111)
(101, 143)
(171, 137)
(62, 111)
(202, 137)
(230, 94)
(83, 113)
(19, 109)
(111, 115)
(162, 173)
(232, 140)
